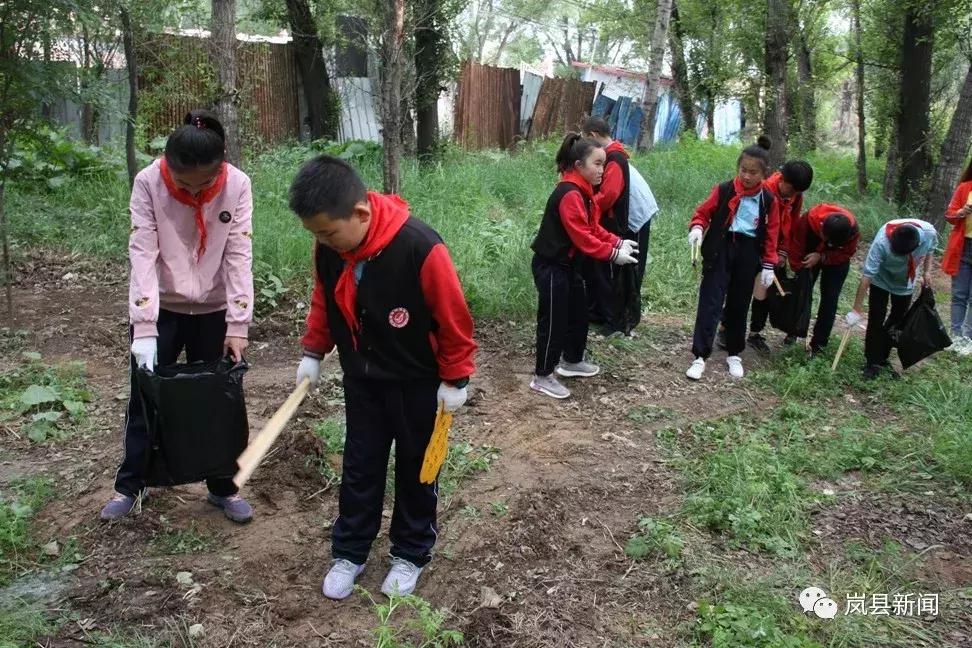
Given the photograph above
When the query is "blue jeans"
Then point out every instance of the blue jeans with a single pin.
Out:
(961, 292)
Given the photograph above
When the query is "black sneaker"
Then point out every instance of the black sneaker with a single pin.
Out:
(758, 342)
(721, 339)
(872, 371)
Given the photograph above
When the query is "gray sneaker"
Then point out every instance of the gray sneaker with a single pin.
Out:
(121, 505)
(339, 582)
(577, 369)
(550, 386)
(234, 507)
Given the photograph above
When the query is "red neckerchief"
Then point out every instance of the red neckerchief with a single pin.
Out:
(889, 229)
(197, 201)
(574, 177)
(388, 216)
(616, 147)
(741, 191)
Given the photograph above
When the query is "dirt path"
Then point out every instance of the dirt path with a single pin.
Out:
(542, 528)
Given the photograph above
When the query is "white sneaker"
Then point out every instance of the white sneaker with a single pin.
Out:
(696, 370)
(401, 578)
(965, 346)
(577, 369)
(550, 386)
(735, 366)
(339, 582)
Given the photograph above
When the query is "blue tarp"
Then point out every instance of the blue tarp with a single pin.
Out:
(624, 117)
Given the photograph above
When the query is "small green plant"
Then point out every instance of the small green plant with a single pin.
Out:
(182, 541)
(331, 432)
(499, 508)
(18, 504)
(269, 289)
(729, 625)
(44, 399)
(462, 462)
(656, 538)
(421, 628)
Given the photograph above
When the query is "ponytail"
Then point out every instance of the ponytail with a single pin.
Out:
(200, 141)
(575, 147)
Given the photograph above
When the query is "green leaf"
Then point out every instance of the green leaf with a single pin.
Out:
(38, 431)
(74, 408)
(37, 395)
(56, 182)
(50, 417)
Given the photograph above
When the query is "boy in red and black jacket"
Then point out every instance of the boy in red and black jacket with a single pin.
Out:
(387, 296)
(823, 242)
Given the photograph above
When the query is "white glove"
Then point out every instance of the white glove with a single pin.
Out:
(452, 398)
(145, 350)
(853, 318)
(766, 277)
(629, 247)
(309, 368)
(624, 259)
(695, 236)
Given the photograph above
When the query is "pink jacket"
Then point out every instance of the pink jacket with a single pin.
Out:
(166, 270)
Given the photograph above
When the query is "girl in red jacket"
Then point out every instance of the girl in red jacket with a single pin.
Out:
(957, 262)
(738, 230)
(570, 231)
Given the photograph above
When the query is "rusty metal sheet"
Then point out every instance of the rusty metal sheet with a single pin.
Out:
(487, 109)
(561, 106)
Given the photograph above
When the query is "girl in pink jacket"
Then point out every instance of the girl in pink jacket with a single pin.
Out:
(191, 281)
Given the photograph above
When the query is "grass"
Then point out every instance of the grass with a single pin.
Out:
(485, 205)
(18, 504)
(182, 541)
(44, 401)
(410, 622)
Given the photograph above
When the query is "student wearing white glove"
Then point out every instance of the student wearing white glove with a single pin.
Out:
(387, 295)
(191, 284)
(570, 230)
(738, 229)
(889, 273)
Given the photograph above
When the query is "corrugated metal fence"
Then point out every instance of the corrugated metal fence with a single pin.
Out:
(487, 112)
(265, 74)
(561, 106)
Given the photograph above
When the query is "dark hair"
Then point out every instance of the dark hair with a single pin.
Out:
(905, 239)
(597, 125)
(798, 173)
(967, 174)
(326, 185)
(838, 229)
(758, 151)
(575, 147)
(200, 141)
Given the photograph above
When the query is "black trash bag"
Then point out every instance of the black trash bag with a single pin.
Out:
(196, 419)
(790, 313)
(921, 332)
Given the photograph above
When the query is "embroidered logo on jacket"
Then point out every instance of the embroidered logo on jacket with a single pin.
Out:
(398, 317)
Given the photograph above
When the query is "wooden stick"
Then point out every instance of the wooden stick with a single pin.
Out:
(779, 286)
(258, 448)
(840, 350)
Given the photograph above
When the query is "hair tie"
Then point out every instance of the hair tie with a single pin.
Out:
(199, 123)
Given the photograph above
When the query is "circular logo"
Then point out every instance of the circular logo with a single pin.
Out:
(398, 317)
(225, 217)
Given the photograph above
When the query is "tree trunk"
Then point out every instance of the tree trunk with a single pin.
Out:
(87, 109)
(223, 43)
(663, 14)
(46, 110)
(319, 100)
(774, 116)
(915, 104)
(676, 41)
(130, 63)
(859, 67)
(893, 163)
(710, 105)
(955, 150)
(806, 102)
(430, 47)
(391, 92)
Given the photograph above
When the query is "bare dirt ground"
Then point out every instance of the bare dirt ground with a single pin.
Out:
(543, 528)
